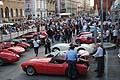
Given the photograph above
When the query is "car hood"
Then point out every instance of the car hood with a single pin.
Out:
(61, 44)
(40, 60)
(17, 48)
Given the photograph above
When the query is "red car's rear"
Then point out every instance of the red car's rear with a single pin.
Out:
(7, 56)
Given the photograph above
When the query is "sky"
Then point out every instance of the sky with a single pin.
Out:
(91, 2)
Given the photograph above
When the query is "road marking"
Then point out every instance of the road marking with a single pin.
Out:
(106, 66)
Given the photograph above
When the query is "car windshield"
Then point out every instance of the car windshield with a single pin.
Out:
(59, 58)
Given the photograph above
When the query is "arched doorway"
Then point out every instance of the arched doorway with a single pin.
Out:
(2, 12)
(16, 12)
(21, 14)
(6, 12)
(11, 12)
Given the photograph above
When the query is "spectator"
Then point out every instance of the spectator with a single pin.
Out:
(71, 58)
(99, 56)
(47, 45)
(36, 44)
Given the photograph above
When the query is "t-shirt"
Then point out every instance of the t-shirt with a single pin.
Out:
(36, 43)
(115, 32)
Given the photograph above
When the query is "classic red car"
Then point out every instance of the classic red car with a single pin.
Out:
(84, 37)
(7, 56)
(16, 49)
(55, 65)
(23, 44)
(8, 44)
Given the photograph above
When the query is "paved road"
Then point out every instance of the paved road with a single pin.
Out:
(14, 71)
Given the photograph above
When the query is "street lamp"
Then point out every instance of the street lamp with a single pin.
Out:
(1, 3)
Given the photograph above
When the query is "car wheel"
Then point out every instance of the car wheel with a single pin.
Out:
(80, 49)
(55, 49)
(78, 41)
(30, 71)
(1, 62)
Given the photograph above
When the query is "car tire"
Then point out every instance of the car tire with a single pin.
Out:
(80, 49)
(77, 41)
(55, 49)
(1, 62)
(30, 71)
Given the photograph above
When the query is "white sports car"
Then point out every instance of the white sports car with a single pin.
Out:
(65, 46)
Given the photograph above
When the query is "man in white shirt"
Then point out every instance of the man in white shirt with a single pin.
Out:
(36, 44)
(107, 35)
(115, 34)
(99, 55)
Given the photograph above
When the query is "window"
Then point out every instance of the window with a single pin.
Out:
(21, 14)
(6, 12)
(2, 12)
(11, 12)
(16, 12)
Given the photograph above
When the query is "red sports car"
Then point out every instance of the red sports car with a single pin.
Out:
(23, 44)
(8, 44)
(84, 37)
(7, 56)
(55, 65)
(16, 49)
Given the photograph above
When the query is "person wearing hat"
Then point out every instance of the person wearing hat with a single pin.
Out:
(71, 58)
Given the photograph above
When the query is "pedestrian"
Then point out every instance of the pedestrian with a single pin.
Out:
(107, 35)
(99, 56)
(47, 45)
(115, 34)
(71, 58)
(36, 45)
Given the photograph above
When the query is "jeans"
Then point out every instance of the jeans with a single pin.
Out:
(36, 50)
(72, 71)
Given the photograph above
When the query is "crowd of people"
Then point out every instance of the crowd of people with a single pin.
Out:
(65, 29)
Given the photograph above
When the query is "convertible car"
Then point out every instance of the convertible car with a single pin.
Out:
(81, 54)
(7, 56)
(53, 65)
(16, 49)
(65, 46)
(84, 37)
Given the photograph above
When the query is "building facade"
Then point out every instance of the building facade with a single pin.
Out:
(51, 7)
(115, 12)
(12, 10)
(106, 4)
(72, 6)
(39, 8)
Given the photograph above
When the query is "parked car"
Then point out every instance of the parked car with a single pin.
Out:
(55, 65)
(20, 42)
(65, 46)
(7, 56)
(81, 54)
(85, 37)
(16, 49)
